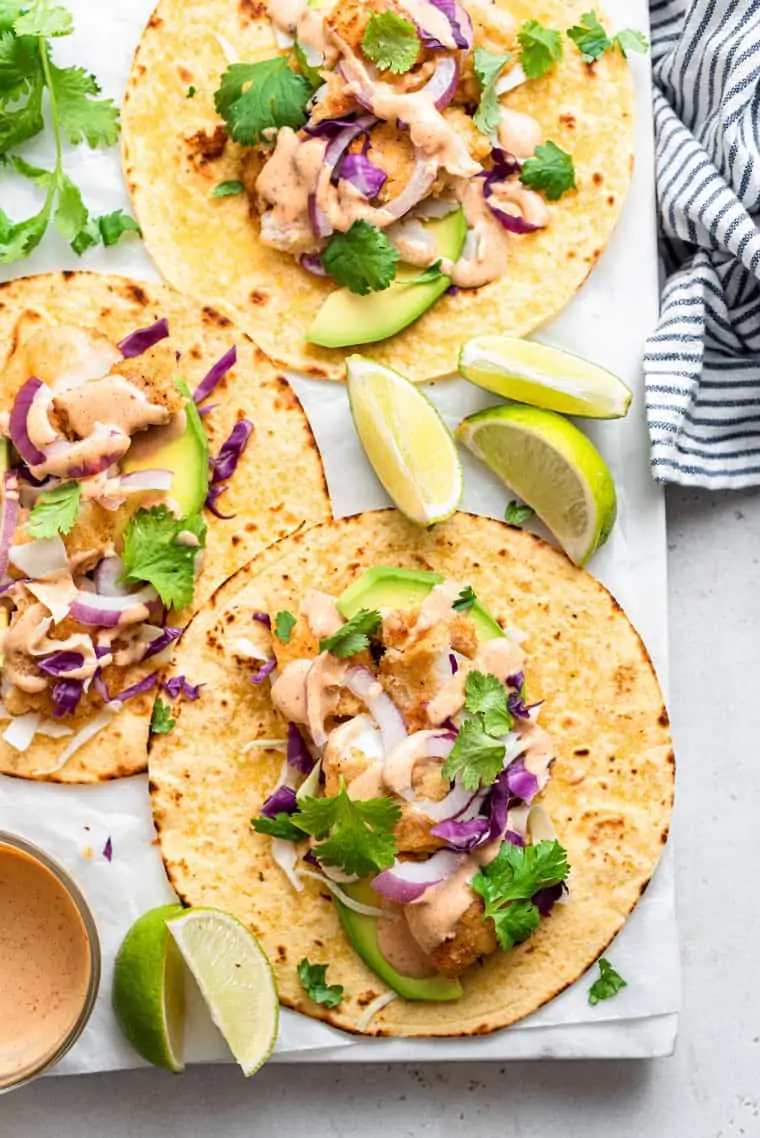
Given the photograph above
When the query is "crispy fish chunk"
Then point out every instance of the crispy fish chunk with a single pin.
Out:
(473, 939)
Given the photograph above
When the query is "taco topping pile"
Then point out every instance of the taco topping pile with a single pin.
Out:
(413, 767)
(101, 534)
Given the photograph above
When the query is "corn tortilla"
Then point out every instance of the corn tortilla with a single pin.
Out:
(609, 797)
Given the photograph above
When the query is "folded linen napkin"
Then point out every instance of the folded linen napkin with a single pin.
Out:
(702, 363)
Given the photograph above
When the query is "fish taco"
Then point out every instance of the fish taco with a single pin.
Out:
(449, 782)
(405, 173)
(149, 449)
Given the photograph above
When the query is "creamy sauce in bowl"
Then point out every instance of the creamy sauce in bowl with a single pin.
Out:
(49, 962)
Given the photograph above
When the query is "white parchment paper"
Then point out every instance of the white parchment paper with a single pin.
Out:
(607, 321)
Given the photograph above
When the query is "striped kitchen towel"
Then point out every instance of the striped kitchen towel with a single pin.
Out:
(702, 363)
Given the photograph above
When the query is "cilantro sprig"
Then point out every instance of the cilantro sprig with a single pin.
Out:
(540, 48)
(29, 79)
(488, 68)
(161, 720)
(228, 189)
(517, 514)
(465, 600)
(353, 636)
(256, 99)
(592, 40)
(607, 984)
(55, 511)
(508, 883)
(551, 169)
(361, 260)
(476, 756)
(486, 696)
(284, 623)
(313, 978)
(155, 552)
(391, 42)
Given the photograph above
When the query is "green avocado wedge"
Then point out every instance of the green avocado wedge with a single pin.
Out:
(186, 456)
(346, 319)
(362, 933)
(391, 587)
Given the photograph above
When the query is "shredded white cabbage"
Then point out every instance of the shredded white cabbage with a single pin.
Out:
(264, 745)
(101, 720)
(229, 52)
(285, 855)
(21, 731)
(343, 897)
(372, 1009)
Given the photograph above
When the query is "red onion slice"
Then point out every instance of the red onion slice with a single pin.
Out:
(30, 391)
(398, 772)
(442, 84)
(8, 520)
(140, 480)
(406, 881)
(108, 578)
(84, 458)
(363, 684)
(40, 559)
(318, 219)
(423, 175)
(106, 612)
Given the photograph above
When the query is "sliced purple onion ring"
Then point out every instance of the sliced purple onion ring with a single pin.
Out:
(406, 881)
(107, 612)
(398, 772)
(9, 519)
(139, 341)
(30, 391)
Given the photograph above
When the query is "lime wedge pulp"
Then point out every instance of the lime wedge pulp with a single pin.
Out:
(149, 989)
(411, 449)
(544, 377)
(235, 979)
(553, 467)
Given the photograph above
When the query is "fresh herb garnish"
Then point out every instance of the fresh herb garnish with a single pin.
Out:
(508, 883)
(284, 623)
(190, 92)
(357, 836)
(281, 826)
(465, 600)
(486, 696)
(488, 68)
(540, 48)
(256, 99)
(592, 40)
(313, 979)
(227, 189)
(152, 553)
(476, 756)
(161, 721)
(551, 169)
(517, 514)
(311, 73)
(391, 42)
(27, 72)
(353, 636)
(608, 983)
(429, 275)
(55, 511)
(361, 260)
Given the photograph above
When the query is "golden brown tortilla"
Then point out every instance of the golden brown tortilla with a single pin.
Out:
(278, 485)
(175, 153)
(609, 797)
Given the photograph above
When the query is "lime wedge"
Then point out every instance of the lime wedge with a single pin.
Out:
(235, 979)
(544, 377)
(411, 449)
(149, 989)
(553, 467)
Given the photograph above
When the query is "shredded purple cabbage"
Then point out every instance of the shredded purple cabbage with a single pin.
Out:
(298, 752)
(66, 696)
(546, 899)
(265, 670)
(217, 372)
(453, 663)
(225, 463)
(521, 783)
(367, 178)
(213, 496)
(461, 26)
(505, 166)
(168, 635)
(178, 686)
(138, 342)
(487, 827)
(142, 686)
(263, 618)
(108, 849)
(513, 837)
(312, 262)
(516, 681)
(282, 801)
(59, 663)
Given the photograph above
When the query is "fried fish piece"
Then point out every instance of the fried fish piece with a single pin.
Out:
(473, 939)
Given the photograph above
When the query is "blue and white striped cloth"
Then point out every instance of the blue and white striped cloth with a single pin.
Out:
(702, 363)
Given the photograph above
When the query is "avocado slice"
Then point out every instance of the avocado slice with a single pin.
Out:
(362, 933)
(346, 318)
(391, 587)
(186, 456)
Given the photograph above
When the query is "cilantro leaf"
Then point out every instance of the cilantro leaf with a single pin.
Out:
(311, 73)
(465, 600)
(55, 511)
(391, 42)
(630, 39)
(281, 826)
(484, 694)
(508, 883)
(516, 513)
(71, 213)
(540, 48)
(152, 553)
(428, 276)
(190, 92)
(551, 170)
(80, 115)
(362, 260)
(20, 65)
(21, 102)
(476, 756)
(284, 623)
(488, 68)
(256, 98)
(589, 37)
(44, 20)
(313, 979)
(161, 721)
(228, 189)
(19, 238)
(113, 226)
(353, 636)
(608, 983)
(357, 836)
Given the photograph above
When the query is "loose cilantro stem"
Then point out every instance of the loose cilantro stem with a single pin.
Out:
(54, 181)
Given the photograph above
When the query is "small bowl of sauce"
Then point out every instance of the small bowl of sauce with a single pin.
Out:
(49, 962)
